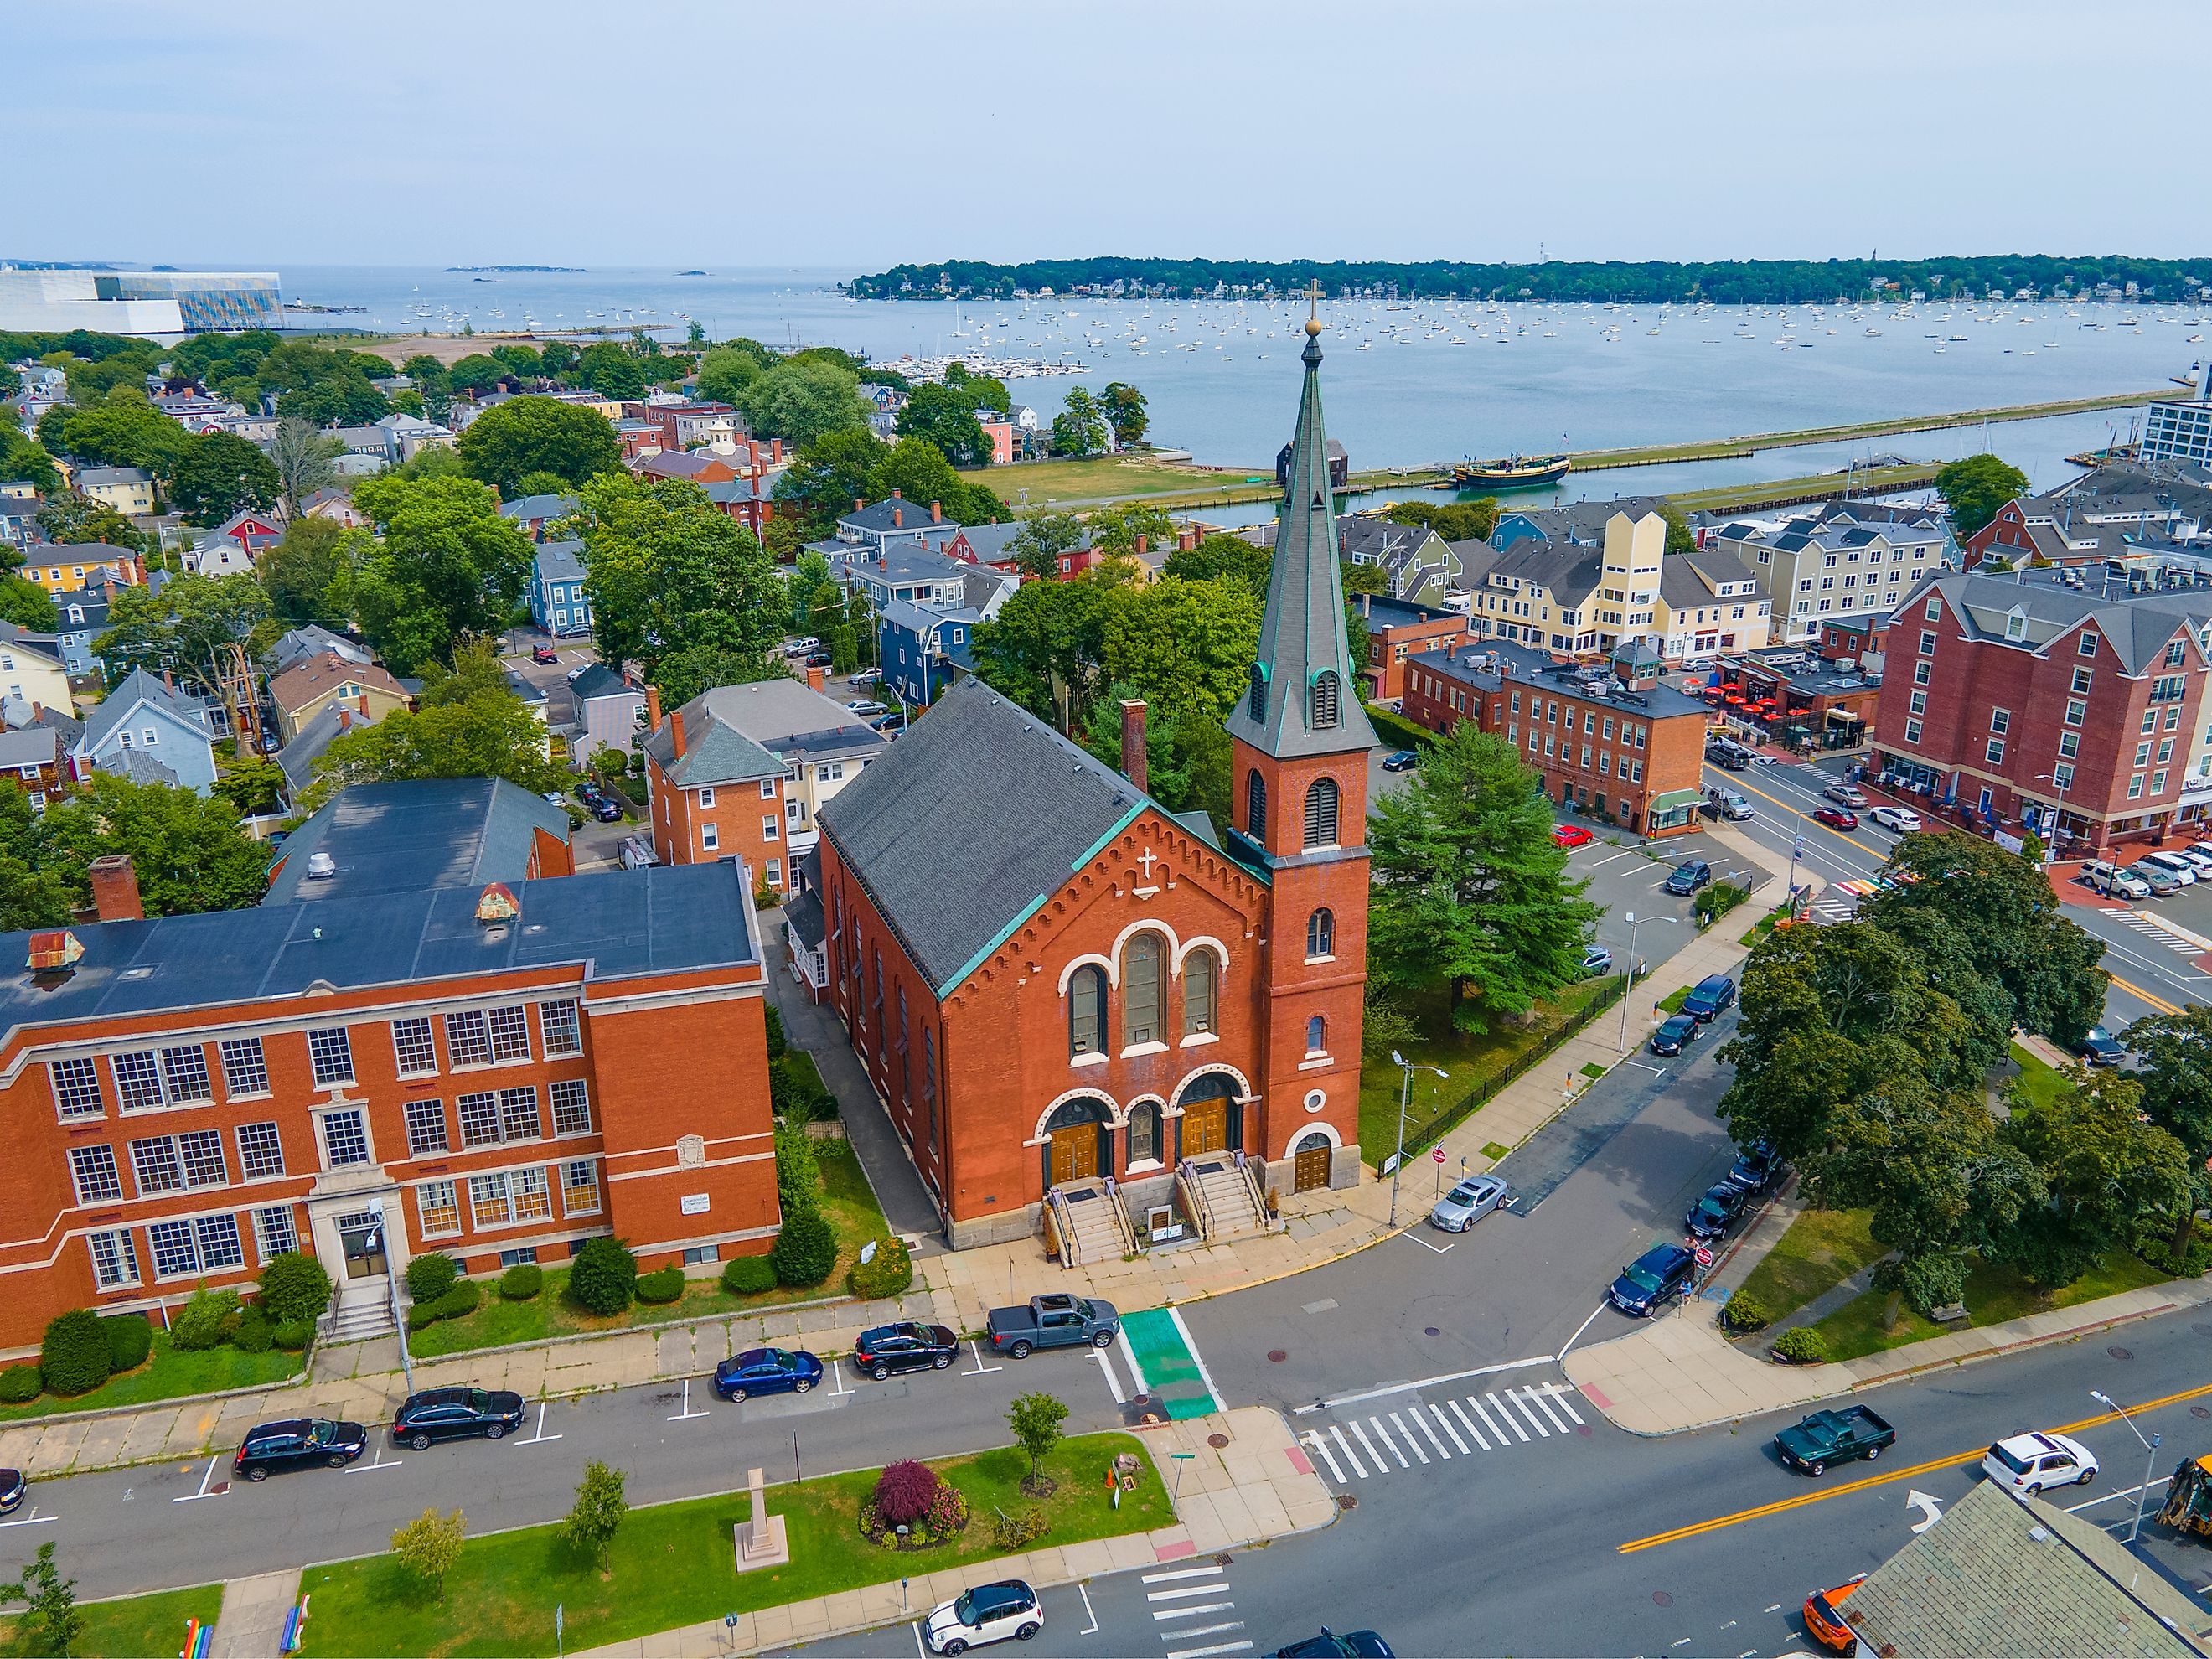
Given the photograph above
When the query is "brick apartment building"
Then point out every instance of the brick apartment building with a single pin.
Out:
(2024, 701)
(1078, 1006)
(495, 1070)
(1610, 741)
(1397, 630)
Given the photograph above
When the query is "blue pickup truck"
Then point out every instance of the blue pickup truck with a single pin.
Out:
(1059, 1321)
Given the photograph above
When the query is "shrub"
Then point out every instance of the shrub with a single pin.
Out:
(805, 1249)
(749, 1275)
(255, 1335)
(19, 1385)
(889, 1274)
(293, 1335)
(604, 1278)
(74, 1358)
(798, 1170)
(1019, 1530)
(205, 1321)
(130, 1339)
(777, 1043)
(904, 1492)
(947, 1512)
(463, 1298)
(522, 1282)
(1718, 900)
(1801, 1347)
(2155, 1244)
(429, 1277)
(294, 1287)
(661, 1288)
(1744, 1312)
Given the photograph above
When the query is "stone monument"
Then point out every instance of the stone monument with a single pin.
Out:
(761, 1540)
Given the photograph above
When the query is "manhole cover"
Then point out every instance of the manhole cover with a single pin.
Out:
(2121, 1353)
(1225, 1559)
(1660, 1598)
(2199, 1411)
(2202, 1330)
(1276, 1356)
(1431, 1330)
(1344, 1500)
(1217, 1441)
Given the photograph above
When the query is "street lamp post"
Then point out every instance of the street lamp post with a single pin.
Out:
(2058, 829)
(2150, 1456)
(1407, 1069)
(1628, 990)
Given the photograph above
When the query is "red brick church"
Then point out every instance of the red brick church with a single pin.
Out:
(1084, 1011)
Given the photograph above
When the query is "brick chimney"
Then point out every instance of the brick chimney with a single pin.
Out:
(364, 704)
(859, 503)
(775, 451)
(676, 732)
(1143, 541)
(168, 681)
(936, 512)
(898, 494)
(814, 677)
(1132, 741)
(1186, 537)
(115, 889)
(653, 708)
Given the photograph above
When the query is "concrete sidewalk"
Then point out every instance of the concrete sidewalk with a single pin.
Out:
(1679, 1372)
(251, 1623)
(1255, 1486)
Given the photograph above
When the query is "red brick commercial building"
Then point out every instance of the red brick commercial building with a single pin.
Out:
(497, 1070)
(2023, 702)
(1610, 741)
(1086, 1011)
(1397, 630)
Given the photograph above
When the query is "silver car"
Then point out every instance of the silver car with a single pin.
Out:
(1468, 1203)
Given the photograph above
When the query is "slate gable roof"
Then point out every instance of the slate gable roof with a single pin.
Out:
(141, 686)
(529, 508)
(1016, 836)
(559, 562)
(877, 516)
(714, 751)
(599, 681)
(2137, 629)
(402, 836)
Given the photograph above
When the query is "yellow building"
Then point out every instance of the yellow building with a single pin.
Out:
(1710, 601)
(65, 567)
(31, 669)
(128, 489)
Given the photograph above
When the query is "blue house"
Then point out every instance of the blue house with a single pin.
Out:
(927, 644)
(557, 602)
(146, 731)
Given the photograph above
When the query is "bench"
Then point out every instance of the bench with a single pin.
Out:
(1950, 1313)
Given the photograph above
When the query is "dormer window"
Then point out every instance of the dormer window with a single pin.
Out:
(2015, 625)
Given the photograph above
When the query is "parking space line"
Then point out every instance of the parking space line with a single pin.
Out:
(1453, 1432)
(687, 1412)
(918, 1646)
(33, 1519)
(380, 1462)
(837, 1375)
(1345, 1446)
(1519, 1433)
(980, 1369)
(1088, 1611)
(541, 1434)
(1460, 1412)
(1424, 1244)
(1113, 1383)
(1408, 1433)
(191, 1497)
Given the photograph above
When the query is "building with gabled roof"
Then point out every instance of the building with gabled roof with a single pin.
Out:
(144, 724)
(311, 685)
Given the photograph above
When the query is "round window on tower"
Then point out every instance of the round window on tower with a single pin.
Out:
(1315, 1101)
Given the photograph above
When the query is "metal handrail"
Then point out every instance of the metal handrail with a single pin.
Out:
(1122, 1227)
(1189, 1175)
(1057, 1201)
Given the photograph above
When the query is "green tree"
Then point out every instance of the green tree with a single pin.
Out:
(826, 477)
(1470, 890)
(488, 736)
(476, 672)
(1974, 487)
(1036, 1419)
(308, 573)
(122, 429)
(916, 469)
(189, 852)
(1455, 521)
(428, 374)
(945, 417)
(815, 592)
(1046, 647)
(1078, 429)
(49, 1602)
(183, 627)
(1043, 537)
(305, 460)
(430, 1544)
(609, 370)
(77, 520)
(29, 606)
(220, 474)
(22, 458)
(448, 567)
(1679, 536)
(1123, 407)
(540, 484)
(1184, 645)
(478, 372)
(1229, 559)
(801, 399)
(251, 786)
(729, 368)
(2104, 1170)
(596, 1514)
(33, 893)
(1115, 530)
(558, 359)
(524, 436)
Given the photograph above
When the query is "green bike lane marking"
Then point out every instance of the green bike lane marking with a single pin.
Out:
(1159, 1348)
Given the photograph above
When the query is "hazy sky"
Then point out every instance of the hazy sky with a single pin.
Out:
(843, 133)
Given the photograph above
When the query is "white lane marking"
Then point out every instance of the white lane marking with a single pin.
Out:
(1201, 1653)
(1534, 1421)
(1392, 1445)
(1190, 1342)
(1345, 1446)
(1113, 1383)
(1368, 1446)
(1631, 853)
(1421, 1418)
(687, 1412)
(918, 1647)
(1438, 1413)
(33, 1519)
(2092, 1502)
(1580, 1328)
(1177, 1576)
(1129, 1358)
(1495, 1433)
(203, 1491)
(371, 1467)
(1519, 1432)
(541, 1435)
(1200, 1629)
(1184, 1594)
(1560, 1392)
(1655, 1071)
(1319, 1447)
(1460, 1412)
(1439, 1248)
(1087, 1611)
(1431, 1381)
(837, 1374)
(1557, 1422)
(1166, 1614)
(976, 1348)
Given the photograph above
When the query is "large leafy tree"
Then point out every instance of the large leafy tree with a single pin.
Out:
(1974, 487)
(1046, 649)
(668, 574)
(826, 477)
(1043, 537)
(78, 520)
(184, 628)
(189, 852)
(29, 606)
(309, 573)
(1123, 407)
(1079, 428)
(1471, 892)
(1455, 521)
(1224, 559)
(801, 399)
(2176, 1076)
(489, 735)
(219, 474)
(123, 429)
(2103, 1169)
(730, 367)
(611, 371)
(523, 435)
(1115, 530)
(448, 567)
(945, 416)
(22, 458)
(33, 892)
(1185, 645)
(917, 470)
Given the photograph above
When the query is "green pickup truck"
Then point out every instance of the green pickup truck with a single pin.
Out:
(1827, 1437)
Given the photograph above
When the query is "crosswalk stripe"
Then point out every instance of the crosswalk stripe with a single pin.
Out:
(1319, 1447)
(1560, 1392)
(1519, 1432)
(1202, 1653)
(1368, 1446)
(1184, 1592)
(1461, 1412)
(1408, 1433)
(1421, 1418)
(1557, 1422)
(1496, 1433)
(1211, 1571)
(1166, 1614)
(1202, 1630)
(1349, 1455)
(1376, 1423)
(1534, 1421)
(1438, 1411)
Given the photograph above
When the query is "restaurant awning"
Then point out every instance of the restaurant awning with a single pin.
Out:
(1676, 800)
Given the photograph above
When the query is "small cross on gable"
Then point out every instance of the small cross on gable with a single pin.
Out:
(1148, 859)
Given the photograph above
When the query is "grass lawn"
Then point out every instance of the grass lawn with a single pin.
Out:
(846, 1200)
(1672, 1001)
(673, 1563)
(1822, 1248)
(1471, 1061)
(2039, 1082)
(1994, 1294)
(169, 1375)
(132, 1627)
(1104, 478)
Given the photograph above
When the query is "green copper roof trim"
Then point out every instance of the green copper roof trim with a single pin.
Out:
(1037, 903)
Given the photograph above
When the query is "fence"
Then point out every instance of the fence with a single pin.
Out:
(1418, 1137)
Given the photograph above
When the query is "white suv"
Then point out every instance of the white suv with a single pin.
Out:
(2034, 1462)
(1896, 819)
(2110, 879)
(985, 1612)
(2183, 870)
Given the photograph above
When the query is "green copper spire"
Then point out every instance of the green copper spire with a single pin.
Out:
(1304, 698)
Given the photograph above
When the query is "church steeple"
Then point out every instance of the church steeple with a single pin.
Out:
(1303, 698)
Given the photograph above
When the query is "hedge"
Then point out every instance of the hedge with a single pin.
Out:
(463, 1299)
(76, 1356)
(806, 1250)
(891, 1274)
(522, 1282)
(659, 1289)
(130, 1339)
(1398, 729)
(293, 1335)
(749, 1275)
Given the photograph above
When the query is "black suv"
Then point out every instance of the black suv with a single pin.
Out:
(1756, 1168)
(905, 1347)
(1709, 1216)
(455, 1413)
(294, 1442)
(1689, 875)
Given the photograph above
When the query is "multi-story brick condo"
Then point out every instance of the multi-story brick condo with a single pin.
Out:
(1398, 630)
(1610, 741)
(1085, 1011)
(495, 1070)
(2025, 702)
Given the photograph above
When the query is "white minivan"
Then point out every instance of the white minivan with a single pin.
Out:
(2182, 868)
(985, 1612)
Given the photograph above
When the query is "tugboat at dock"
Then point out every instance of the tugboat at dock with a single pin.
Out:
(1513, 472)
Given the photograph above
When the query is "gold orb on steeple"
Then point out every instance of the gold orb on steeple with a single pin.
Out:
(1313, 321)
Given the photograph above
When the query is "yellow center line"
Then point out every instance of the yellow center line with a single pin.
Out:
(1888, 1477)
(2157, 1002)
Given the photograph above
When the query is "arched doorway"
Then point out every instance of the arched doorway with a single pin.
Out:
(1309, 1156)
(1077, 1145)
(1212, 1120)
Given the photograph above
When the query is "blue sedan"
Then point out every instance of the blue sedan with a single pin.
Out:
(766, 1370)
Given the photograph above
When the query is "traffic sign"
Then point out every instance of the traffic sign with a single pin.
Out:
(1438, 1155)
(1703, 1256)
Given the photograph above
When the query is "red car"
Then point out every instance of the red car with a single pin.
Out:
(1572, 835)
(544, 653)
(1837, 817)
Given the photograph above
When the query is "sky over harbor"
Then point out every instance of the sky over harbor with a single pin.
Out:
(843, 132)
